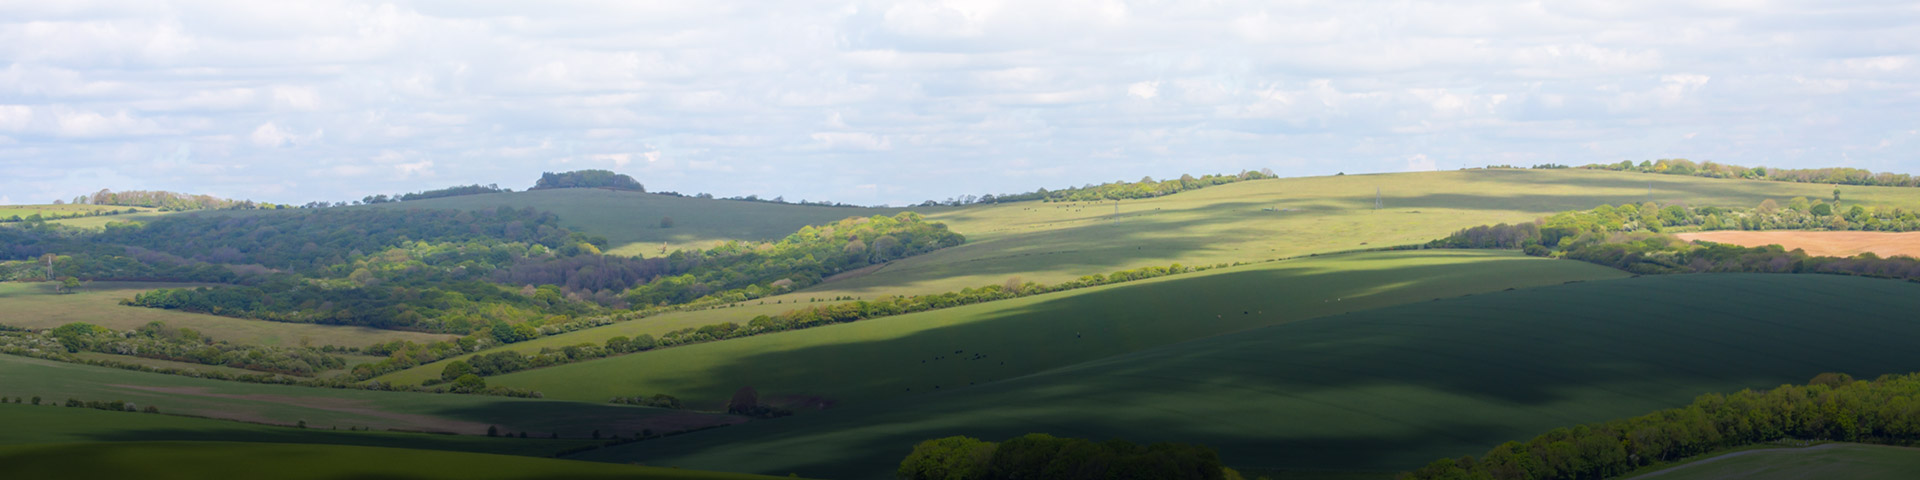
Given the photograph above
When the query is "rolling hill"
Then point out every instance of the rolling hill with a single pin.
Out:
(938, 350)
(1381, 390)
(198, 460)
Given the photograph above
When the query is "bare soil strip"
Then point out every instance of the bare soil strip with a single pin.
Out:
(1830, 244)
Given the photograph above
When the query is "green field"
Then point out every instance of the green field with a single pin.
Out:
(631, 220)
(935, 350)
(329, 408)
(1381, 390)
(1054, 242)
(30, 424)
(1833, 460)
(200, 460)
(37, 305)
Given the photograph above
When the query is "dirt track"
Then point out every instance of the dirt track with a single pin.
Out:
(1831, 244)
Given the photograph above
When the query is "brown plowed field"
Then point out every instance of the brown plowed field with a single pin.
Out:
(1831, 244)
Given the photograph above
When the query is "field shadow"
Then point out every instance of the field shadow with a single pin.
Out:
(1384, 389)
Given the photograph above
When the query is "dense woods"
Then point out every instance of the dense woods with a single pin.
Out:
(1830, 407)
(1834, 176)
(1147, 187)
(587, 179)
(1038, 455)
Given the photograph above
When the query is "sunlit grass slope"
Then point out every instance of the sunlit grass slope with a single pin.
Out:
(329, 408)
(202, 460)
(42, 424)
(1053, 242)
(1387, 389)
(631, 220)
(38, 305)
(952, 348)
(1840, 460)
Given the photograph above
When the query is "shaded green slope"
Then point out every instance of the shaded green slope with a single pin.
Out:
(328, 407)
(1387, 389)
(945, 349)
(42, 424)
(199, 460)
(1834, 460)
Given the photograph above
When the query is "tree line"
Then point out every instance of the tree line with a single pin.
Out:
(1146, 187)
(1833, 176)
(1830, 407)
(158, 341)
(1038, 455)
(166, 201)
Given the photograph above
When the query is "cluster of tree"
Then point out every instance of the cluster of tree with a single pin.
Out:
(1830, 407)
(39, 218)
(452, 307)
(782, 200)
(18, 400)
(658, 400)
(1039, 455)
(113, 406)
(158, 341)
(1834, 176)
(1596, 225)
(453, 191)
(587, 179)
(746, 402)
(166, 201)
(313, 243)
(1147, 187)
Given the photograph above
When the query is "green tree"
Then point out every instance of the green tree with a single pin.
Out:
(951, 458)
(455, 369)
(666, 222)
(1821, 209)
(69, 284)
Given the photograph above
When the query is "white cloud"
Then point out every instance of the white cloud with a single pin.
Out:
(1144, 90)
(1420, 163)
(274, 136)
(789, 97)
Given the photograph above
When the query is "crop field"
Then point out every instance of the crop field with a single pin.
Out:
(37, 305)
(30, 424)
(1830, 244)
(329, 408)
(1381, 390)
(952, 348)
(1833, 460)
(200, 460)
(631, 220)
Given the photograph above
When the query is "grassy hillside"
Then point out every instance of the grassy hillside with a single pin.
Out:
(1052, 242)
(328, 408)
(1833, 460)
(631, 220)
(952, 348)
(43, 424)
(198, 460)
(1387, 389)
(37, 305)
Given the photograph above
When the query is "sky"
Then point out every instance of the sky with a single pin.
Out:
(899, 102)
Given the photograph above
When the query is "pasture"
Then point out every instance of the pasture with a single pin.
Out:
(1829, 244)
(942, 350)
(200, 460)
(1384, 390)
(38, 305)
(1833, 460)
(342, 408)
(44, 424)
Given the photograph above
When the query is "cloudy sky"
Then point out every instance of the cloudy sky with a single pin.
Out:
(897, 102)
